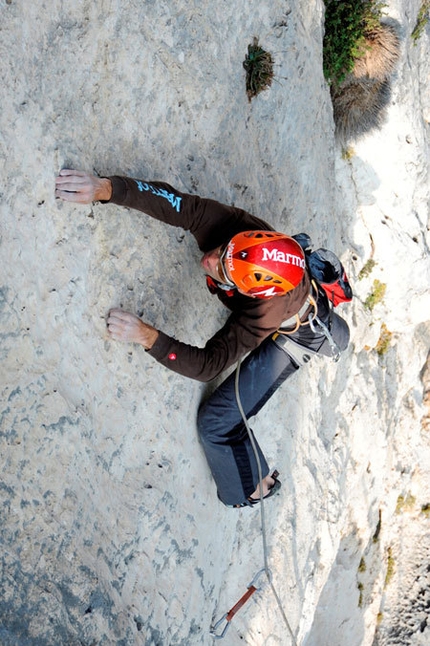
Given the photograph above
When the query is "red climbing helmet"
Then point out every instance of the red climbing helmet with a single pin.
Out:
(264, 263)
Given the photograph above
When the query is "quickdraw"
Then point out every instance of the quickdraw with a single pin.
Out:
(323, 327)
(252, 587)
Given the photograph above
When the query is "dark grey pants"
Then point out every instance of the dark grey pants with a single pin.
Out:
(221, 429)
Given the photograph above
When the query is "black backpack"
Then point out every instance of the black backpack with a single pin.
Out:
(327, 270)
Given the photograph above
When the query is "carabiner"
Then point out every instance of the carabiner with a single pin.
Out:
(328, 335)
(218, 623)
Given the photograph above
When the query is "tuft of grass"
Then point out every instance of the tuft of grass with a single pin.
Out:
(362, 565)
(384, 340)
(346, 25)
(360, 53)
(422, 20)
(348, 153)
(405, 503)
(376, 295)
(367, 269)
(258, 65)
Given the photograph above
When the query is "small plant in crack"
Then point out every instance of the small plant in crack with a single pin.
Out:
(258, 65)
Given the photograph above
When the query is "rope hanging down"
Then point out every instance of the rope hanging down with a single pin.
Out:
(251, 588)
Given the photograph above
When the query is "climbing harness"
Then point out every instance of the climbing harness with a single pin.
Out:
(252, 587)
(299, 354)
(287, 328)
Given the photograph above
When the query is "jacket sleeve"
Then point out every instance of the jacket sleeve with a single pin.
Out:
(224, 349)
(211, 222)
(251, 322)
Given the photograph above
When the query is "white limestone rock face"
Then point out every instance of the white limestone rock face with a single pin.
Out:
(110, 525)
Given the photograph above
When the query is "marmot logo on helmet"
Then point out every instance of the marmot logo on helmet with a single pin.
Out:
(270, 291)
(280, 256)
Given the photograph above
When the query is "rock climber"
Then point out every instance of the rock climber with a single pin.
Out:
(279, 317)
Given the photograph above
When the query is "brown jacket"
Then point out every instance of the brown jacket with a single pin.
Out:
(212, 224)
